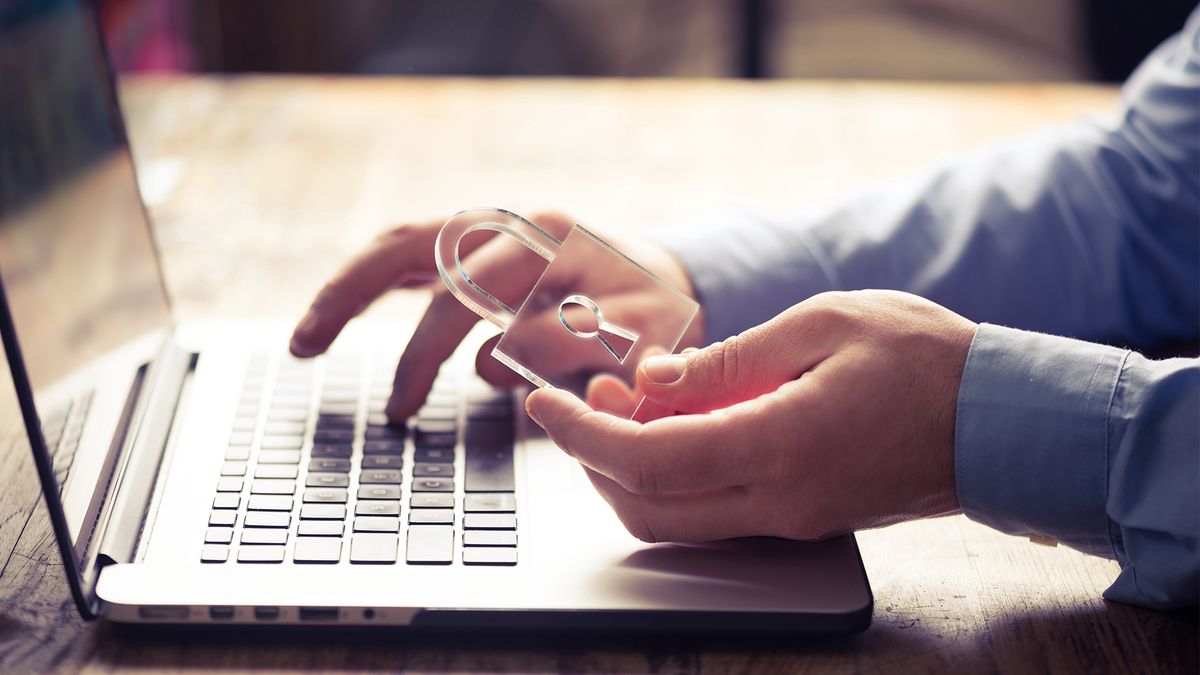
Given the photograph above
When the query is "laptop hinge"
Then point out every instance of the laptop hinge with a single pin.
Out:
(137, 472)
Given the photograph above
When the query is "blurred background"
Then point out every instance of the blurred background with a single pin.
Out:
(974, 40)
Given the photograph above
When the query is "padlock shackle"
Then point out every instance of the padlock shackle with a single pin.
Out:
(455, 276)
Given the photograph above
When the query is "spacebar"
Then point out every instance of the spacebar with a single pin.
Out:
(489, 468)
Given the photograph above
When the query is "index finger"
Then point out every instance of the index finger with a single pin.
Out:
(672, 454)
(396, 258)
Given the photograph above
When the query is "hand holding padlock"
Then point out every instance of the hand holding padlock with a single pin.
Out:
(562, 329)
(400, 258)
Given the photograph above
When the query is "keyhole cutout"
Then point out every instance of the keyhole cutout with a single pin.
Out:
(591, 325)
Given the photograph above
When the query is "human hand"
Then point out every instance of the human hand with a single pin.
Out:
(404, 258)
(836, 415)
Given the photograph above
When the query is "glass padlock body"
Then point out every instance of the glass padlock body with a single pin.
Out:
(591, 309)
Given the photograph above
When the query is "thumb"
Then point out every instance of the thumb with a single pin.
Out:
(738, 369)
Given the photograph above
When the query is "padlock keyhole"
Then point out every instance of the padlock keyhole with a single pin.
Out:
(618, 341)
(579, 319)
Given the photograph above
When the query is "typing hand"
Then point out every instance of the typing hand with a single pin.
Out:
(404, 258)
(834, 416)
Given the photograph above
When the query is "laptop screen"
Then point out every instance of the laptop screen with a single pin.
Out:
(77, 259)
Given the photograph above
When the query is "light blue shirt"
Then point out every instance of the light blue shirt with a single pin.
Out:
(1088, 231)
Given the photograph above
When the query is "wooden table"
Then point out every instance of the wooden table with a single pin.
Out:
(260, 186)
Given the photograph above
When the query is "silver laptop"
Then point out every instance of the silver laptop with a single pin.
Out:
(195, 474)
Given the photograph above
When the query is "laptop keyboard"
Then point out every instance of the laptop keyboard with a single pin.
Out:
(62, 430)
(314, 473)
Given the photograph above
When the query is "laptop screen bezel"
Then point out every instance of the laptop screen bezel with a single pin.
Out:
(82, 591)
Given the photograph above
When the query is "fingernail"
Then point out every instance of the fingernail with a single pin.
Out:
(664, 369)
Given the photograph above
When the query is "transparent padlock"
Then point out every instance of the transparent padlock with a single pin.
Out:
(590, 310)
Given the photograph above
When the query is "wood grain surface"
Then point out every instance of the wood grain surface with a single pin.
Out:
(260, 187)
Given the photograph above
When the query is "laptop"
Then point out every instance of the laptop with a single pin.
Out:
(195, 474)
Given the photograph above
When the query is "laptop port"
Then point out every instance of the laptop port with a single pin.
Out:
(266, 613)
(163, 612)
(318, 613)
(220, 613)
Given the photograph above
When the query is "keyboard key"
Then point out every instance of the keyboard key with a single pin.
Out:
(384, 432)
(432, 500)
(289, 402)
(490, 503)
(431, 517)
(264, 536)
(433, 412)
(222, 518)
(489, 468)
(276, 471)
(214, 553)
(269, 503)
(377, 508)
(379, 492)
(273, 486)
(490, 555)
(382, 462)
(329, 465)
(489, 521)
(433, 455)
(376, 476)
(245, 424)
(317, 550)
(285, 428)
(341, 395)
(282, 442)
(430, 545)
(229, 484)
(428, 426)
(233, 469)
(333, 436)
(432, 485)
(374, 548)
(377, 420)
(287, 416)
(335, 422)
(237, 454)
(241, 438)
(343, 451)
(325, 496)
(435, 440)
(486, 433)
(279, 457)
(337, 409)
(227, 500)
(320, 528)
(260, 554)
(489, 538)
(383, 447)
(376, 524)
(327, 480)
(323, 512)
(218, 535)
(268, 519)
(433, 470)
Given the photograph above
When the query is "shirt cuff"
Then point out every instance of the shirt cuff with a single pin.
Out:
(1031, 436)
(745, 270)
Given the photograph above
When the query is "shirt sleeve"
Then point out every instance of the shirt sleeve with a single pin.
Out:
(1087, 230)
(1090, 231)
(1094, 446)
